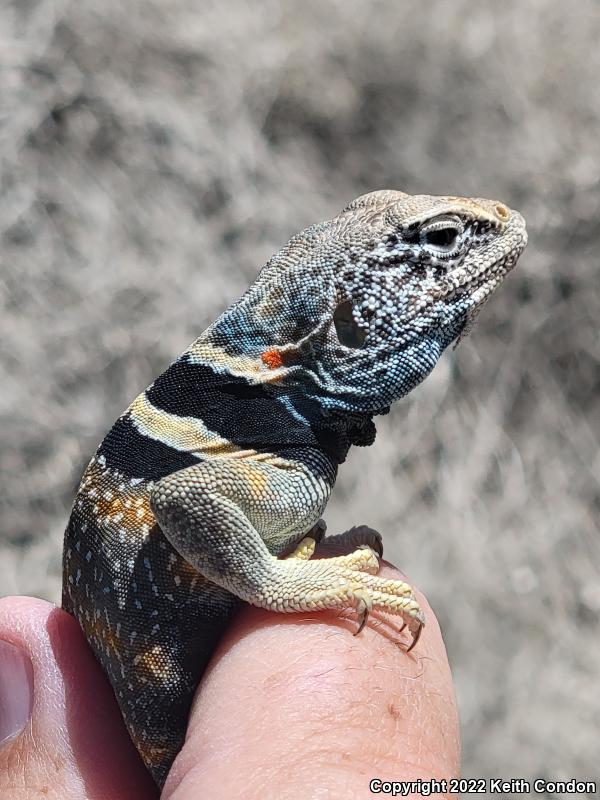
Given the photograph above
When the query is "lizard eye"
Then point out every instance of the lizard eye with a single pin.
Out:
(348, 332)
(441, 236)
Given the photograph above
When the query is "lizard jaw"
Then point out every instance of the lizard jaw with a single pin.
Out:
(481, 286)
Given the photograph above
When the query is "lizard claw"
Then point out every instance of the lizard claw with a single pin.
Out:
(363, 606)
(378, 545)
(362, 621)
(416, 635)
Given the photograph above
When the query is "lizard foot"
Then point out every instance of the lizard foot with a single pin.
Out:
(306, 547)
(359, 534)
(362, 559)
(297, 584)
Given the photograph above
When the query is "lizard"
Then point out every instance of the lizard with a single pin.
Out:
(209, 489)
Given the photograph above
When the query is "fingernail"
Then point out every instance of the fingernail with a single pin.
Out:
(16, 691)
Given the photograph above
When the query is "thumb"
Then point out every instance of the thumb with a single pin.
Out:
(61, 734)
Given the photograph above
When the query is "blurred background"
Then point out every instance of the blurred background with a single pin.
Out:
(154, 154)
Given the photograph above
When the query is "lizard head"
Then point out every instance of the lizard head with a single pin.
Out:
(360, 308)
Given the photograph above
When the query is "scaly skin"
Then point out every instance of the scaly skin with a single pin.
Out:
(209, 489)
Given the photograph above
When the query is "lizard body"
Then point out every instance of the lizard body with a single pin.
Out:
(210, 487)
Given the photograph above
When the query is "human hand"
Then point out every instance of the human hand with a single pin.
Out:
(290, 707)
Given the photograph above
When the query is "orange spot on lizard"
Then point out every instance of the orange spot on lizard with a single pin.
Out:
(272, 358)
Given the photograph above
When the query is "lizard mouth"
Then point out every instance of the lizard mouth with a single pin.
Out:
(479, 284)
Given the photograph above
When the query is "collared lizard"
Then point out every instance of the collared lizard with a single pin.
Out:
(210, 487)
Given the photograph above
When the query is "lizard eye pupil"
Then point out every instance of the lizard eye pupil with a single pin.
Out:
(348, 332)
(444, 238)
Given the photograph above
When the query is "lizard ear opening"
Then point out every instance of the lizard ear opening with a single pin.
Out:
(348, 332)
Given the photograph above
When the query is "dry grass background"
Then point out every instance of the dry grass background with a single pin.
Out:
(154, 154)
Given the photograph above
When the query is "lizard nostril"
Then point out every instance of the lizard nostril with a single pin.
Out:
(502, 211)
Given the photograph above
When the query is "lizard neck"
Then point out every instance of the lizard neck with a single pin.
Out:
(203, 407)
